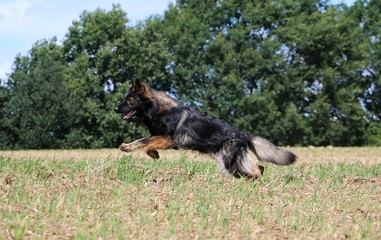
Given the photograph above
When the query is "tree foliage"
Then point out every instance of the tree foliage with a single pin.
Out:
(295, 72)
(37, 114)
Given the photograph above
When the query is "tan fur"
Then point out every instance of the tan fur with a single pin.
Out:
(150, 144)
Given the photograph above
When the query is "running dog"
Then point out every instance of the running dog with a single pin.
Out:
(175, 126)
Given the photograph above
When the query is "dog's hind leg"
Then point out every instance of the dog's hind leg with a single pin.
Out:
(219, 157)
(245, 166)
(150, 144)
(242, 165)
(234, 157)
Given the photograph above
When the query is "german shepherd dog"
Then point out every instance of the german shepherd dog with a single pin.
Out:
(175, 126)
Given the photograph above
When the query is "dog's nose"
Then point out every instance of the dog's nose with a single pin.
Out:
(116, 109)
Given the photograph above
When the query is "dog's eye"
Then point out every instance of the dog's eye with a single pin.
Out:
(130, 99)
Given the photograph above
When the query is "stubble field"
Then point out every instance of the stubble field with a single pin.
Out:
(330, 193)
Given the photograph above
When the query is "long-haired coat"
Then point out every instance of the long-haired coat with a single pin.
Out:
(175, 126)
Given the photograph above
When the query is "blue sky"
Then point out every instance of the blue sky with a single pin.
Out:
(23, 22)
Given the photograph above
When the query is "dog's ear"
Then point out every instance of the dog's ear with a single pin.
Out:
(136, 85)
(140, 87)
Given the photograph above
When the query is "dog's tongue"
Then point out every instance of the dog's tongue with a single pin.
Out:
(128, 115)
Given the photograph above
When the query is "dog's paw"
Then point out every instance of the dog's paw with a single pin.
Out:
(125, 147)
(153, 154)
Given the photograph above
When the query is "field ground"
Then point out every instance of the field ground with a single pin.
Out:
(330, 193)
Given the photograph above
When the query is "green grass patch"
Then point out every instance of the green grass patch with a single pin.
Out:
(185, 198)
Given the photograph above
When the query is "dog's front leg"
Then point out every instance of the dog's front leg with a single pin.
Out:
(153, 154)
(150, 144)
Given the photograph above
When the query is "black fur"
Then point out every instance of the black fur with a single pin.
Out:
(188, 128)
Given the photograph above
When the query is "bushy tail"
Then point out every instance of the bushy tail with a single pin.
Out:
(266, 151)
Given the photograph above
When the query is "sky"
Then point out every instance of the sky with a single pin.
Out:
(24, 22)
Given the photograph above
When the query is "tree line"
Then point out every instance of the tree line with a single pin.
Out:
(296, 72)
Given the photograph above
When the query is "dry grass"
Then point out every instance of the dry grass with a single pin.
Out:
(331, 193)
(309, 155)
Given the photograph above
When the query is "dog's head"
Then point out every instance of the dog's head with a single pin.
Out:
(137, 101)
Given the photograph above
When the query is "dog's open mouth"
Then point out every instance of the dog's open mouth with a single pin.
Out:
(128, 114)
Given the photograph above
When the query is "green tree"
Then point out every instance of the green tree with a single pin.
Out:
(327, 51)
(104, 55)
(5, 134)
(228, 59)
(270, 67)
(295, 72)
(38, 113)
(89, 49)
(367, 14)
